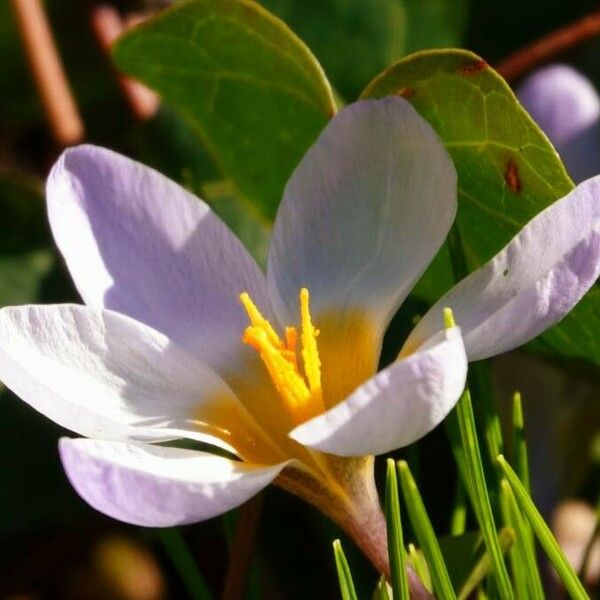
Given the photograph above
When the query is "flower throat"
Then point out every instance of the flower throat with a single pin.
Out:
(299, 386)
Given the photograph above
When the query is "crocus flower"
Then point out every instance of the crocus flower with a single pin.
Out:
(182, 336)
(566, 106)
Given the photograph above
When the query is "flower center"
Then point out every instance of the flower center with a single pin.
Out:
(298, 385)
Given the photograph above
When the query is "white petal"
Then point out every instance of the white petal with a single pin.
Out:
(155, 486)
(398, 406)
(137, 243)
(363, 214)
(102, 374)
(531, 284)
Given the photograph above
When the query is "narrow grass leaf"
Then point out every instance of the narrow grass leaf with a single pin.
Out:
(343, 570)
(559, 561)
(506, 539)
(519, 447)
(458, 519)
(518, 568)
(184, 563)
(523, 559)
(395, 536)
(480, 497)
(382, 591)
(419, 565)
(425, 534)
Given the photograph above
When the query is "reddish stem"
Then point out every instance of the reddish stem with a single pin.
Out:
(549, 46)
(47, 69)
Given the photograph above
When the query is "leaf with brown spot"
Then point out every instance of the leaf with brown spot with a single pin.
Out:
(511, 176)
(507, 172)
(405, 92)
(473, 68)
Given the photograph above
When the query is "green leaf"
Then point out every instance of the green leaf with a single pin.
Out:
(554, 552)
(343, 570)
(507, 171)
(395, 537)
(371, 34)
(479, 494)
(251, 227)
(425, 534)
(253, 90)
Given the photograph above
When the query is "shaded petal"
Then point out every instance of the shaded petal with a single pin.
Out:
(137, 243)
(154, 486)
(398, 406)
(361, 218)
(531, 284)
(102, 374)
(566, 106)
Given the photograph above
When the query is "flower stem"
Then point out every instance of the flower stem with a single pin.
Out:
(550, 46)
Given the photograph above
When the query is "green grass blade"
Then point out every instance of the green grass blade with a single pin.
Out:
(184, 563)
(506, 539)
(518, 568)
(343, 570)
(425, 534)
(394, 532)
(458, 519)
(590, 545)
(382, 590)
(524, 563)
(520, 460)
(560, 563)
(418, 564)
(479, 494)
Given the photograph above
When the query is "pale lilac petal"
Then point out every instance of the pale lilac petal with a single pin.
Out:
(362, 215)
(398, 406)
(361, 218)
(531, 284)
(154, 486)
(137, 243)
(566, 106)
(102, 374)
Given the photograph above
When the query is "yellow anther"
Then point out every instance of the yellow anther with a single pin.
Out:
(303, 397)
(310, 352)
(257, 320)
(449, 318)
(291, 340)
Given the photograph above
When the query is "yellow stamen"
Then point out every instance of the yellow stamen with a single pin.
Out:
(310, 352)
(257, 320)
(303, 397)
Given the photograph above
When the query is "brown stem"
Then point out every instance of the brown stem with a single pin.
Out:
(108, 26)
(46, 67)
(242, 549)
(550, 46)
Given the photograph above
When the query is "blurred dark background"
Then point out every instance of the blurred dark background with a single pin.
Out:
(51, 544)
